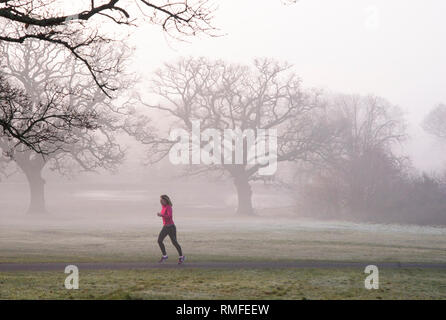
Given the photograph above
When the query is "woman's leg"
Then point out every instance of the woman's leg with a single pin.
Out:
(173, 238)
(162, 235)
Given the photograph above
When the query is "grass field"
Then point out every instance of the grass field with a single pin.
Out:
(217, 238)
(116, 232)
(225, 284)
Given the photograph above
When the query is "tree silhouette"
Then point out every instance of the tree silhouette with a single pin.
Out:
(266, 95)
(38, 124)
(357, 176)
(77, 26)
(41, 68)
(435, 121)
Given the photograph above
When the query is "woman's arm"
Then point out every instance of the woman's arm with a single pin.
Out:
(166, 212)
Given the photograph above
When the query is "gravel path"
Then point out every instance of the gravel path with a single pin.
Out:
(60, 266)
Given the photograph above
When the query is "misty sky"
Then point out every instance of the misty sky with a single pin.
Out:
(394, 49)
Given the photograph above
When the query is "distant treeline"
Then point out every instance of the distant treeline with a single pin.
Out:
(364, 177)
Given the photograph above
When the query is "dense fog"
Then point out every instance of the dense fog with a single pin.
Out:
(340, 106)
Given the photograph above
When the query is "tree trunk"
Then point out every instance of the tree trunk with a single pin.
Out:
(32, 166)
(37, 192)
(244, 196)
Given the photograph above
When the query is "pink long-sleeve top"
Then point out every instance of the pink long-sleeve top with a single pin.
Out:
(166, 214)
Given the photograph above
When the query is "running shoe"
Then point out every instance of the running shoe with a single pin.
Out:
(181, 259)
(163, 258)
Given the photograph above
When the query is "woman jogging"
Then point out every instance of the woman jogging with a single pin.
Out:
(168, 229)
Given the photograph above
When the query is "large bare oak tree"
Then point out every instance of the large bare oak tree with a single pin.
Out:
(79, 28)
(40, 69)
(264, 95)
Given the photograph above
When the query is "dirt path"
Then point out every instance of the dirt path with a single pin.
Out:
(60, 266)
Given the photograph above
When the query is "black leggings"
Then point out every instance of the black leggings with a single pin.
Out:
(170, 231)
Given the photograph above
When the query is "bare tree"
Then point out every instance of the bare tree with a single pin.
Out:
(40, 68)
(73, 25)
(266, 95)
(435, 121)
(35, 123)
(363, 165)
